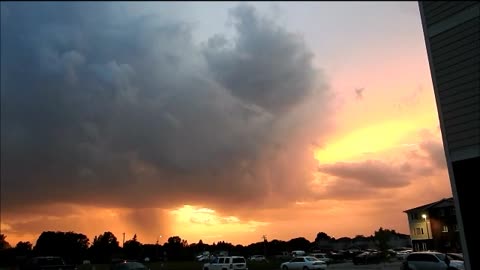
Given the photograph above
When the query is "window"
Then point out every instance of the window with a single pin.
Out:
(238, 260)
(221, 260)
(452, 211)
(441, 212)
(441, 257)
(419, 257)
(418, 231)
(445, 228)
(421, 230)
(298, 260)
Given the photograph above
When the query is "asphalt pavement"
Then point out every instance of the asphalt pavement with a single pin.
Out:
(379, 266)
(351, 266)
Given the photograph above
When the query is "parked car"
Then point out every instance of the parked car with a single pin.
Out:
(304, 263)
(257, 258)
(47, 263)
(297, 253)
(129, 265)
(368, 257)
(230, 262)
(401, 255)
(456, 256)
(322, 257)
(430, 260)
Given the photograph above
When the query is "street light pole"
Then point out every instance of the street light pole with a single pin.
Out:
(424, 216)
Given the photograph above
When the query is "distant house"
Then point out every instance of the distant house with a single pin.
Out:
(342, 243)
(433, 226)
(362, 242)
(400, 240)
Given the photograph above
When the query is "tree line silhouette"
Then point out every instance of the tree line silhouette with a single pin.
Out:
(74, 248)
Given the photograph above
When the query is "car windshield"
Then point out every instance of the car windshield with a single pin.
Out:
(311, 259)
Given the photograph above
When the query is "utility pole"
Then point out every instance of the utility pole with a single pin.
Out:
(265, 245)
(123, 242)
(156, 250)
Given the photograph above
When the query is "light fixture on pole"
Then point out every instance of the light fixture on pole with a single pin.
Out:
(424, 216)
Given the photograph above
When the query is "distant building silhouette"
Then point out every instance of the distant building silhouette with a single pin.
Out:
(452, 36)
(434, 226)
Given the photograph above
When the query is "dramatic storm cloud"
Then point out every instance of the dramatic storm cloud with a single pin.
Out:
(371, 173)
(100, 106)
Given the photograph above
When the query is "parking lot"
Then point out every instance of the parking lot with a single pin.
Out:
(380, 266)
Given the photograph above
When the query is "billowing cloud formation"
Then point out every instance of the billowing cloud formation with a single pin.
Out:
(103, 107)
(265, 55)
(435, 152)
(371, 173)
(393, 171)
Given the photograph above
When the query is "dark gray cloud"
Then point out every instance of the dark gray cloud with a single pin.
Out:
(349, 189)
(103, 107)
(436, 153)
(373, 173)
(264, 54)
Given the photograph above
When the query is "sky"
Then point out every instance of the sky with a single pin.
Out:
(215, 121)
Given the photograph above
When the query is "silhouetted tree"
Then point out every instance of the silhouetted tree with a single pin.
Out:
(132, 248)
(224, 246)
(104, 247)
(276, 247)
(299, 243)
(382, 237)
(321, 236)
(23, 248)
(174, 240)
(174, 248)
(3, 242)
(323, 241)
(71, 246)
(201, 245)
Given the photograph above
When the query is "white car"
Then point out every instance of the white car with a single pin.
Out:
(429, 260)
(258, 258)
(297, 253)
(230, 262)
(304, 263)
(321, 257)
(401, 255)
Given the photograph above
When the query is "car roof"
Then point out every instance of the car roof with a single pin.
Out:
(426, 253)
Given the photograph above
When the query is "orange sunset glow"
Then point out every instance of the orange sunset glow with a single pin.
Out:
(223, 122)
